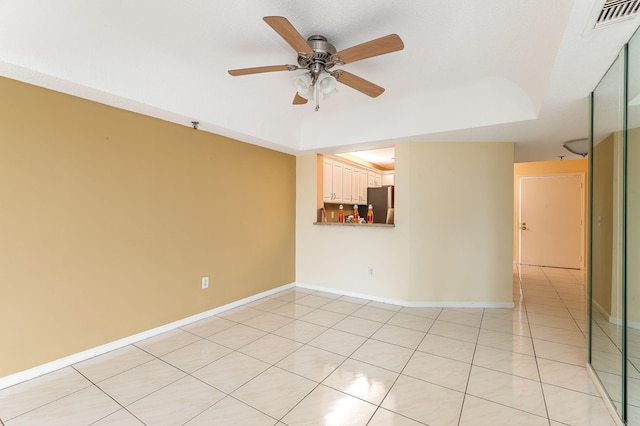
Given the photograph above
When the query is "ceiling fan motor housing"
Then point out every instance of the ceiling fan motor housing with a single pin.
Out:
(322, 52)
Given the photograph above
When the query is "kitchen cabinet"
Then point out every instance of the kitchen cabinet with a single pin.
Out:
(346, 183)
(355, 186)
(347, 189)
(374, 179)
(332, 174)
(358, 187)
(362, 199)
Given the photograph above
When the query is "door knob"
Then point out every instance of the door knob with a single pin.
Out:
(523, 226)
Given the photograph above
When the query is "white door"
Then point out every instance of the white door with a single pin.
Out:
(550, 221)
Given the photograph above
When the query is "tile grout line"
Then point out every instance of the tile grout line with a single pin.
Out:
(332, 371)
(526, 312)
(564, 303)
(303, 344)
(475, 348)
(400, 373)
(122, 407)
(48, 403)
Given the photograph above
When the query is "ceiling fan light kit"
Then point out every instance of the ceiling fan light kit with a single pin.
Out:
(317, 56)
(326, 84)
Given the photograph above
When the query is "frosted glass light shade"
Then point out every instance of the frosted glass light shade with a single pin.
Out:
(327, 85)
(303, 86)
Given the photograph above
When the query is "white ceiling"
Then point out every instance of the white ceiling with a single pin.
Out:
(493, 70)
(383, 157)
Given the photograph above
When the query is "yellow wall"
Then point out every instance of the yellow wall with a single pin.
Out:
(546, 168)
(603, 212)
(453, 233)
(109, 219)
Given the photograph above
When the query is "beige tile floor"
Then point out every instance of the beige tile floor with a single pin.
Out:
(303, 357)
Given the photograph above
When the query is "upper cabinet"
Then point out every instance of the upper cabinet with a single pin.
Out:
(347, 188)
(358, 186)
(374, 179)
(332, 181)
(363, 187)
(346, 183)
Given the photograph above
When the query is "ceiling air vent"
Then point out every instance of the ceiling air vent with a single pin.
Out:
(617, 10)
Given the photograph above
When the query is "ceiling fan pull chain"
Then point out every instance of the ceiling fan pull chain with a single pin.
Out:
(317, 95)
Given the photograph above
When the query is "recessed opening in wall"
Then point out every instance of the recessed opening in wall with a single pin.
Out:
(362, 182)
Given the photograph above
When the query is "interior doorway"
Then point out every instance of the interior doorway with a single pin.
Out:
(550, 220)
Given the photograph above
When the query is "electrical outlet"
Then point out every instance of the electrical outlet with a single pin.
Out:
(371, 271)
(205, 282)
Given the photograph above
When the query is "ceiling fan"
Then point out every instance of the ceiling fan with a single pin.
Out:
(318, 57)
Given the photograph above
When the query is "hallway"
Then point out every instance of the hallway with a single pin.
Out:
(302, 357)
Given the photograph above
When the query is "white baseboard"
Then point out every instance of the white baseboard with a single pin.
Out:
(31, 373)
(410, 304)
(630, 324)
(40, 370)
(614, 320)
(603, 394)
(598, 308)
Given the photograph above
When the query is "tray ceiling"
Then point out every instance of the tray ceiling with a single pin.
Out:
(496, 70)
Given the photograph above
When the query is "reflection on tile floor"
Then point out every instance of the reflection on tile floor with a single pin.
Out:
(303, 357)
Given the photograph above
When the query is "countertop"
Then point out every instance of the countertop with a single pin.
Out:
(359, 225)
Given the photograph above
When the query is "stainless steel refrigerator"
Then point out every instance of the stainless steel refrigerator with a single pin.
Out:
(382, 200)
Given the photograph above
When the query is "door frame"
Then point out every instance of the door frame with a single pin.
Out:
(582, 212)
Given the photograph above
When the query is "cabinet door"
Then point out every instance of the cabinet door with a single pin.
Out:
(338, 170)
(347, 193)
(363, 187)
(327, 181)
(355, 186)
(374, 180)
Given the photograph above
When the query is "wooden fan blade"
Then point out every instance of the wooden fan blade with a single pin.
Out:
(288, 32)
(359, 83)
(256, 70)
(299, 100)
(379, 46)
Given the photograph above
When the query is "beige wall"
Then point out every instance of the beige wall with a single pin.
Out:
(548, 168)
(453, 233)
(109, 219)
(339, 257)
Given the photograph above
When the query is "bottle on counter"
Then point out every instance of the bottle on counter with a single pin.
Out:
(356, 216)
(370, 214)
(341, 215)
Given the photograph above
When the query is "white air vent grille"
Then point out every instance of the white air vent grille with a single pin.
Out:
(616, 10)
